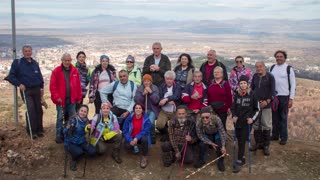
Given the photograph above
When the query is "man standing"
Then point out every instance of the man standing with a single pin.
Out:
(65, 89)
(182, 134)
(156, 64)
(25, 74)
(263, 86)
(123, 92)
(208, 66)
(285, 91)
(211, 132)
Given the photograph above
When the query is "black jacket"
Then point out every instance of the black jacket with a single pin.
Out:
(157, 76)
(263, 87)
(245, 107)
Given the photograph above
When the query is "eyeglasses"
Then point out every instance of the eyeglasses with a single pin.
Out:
(205, 117)
(238, 61)
(129, 62)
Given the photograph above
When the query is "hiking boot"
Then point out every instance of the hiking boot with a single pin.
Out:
(40, 134)
(199, 164)
(273, 138)
(283, 142)
(236, 168)
(266, 151)
(73, 165)
(241, 162)
(116, 157)
(220, 165)
(59, 140)
(255, 147)
(167, 159)
(143, 162)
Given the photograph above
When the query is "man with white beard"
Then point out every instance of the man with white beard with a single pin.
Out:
(182, 134)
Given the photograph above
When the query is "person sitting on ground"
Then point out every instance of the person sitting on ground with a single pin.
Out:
(245, 110)
(211, 133)
(136, 130)
(149, 93)
(182, 134)
(170, 96)
(75, 137)
(105, 129)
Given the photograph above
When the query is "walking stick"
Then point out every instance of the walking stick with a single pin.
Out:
(28, 117)
(249, 144)
(198, 170)
(234, 146)
(184, 154)
(65, 150)
(146, 103)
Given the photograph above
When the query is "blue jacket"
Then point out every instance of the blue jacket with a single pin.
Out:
(176, 97)
(78, 136)
(26, 73)
(127, 128)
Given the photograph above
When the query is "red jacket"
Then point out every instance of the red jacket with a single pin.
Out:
(220, 93)
(58, 85)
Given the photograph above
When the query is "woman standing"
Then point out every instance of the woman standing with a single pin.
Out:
(237, 72)
(133, 71)
(219, 95)
(84, 72)
(184, 70)
(101, 76)
(136, 130)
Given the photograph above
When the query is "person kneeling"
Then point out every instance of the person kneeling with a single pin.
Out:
(136, 130)
(182, 135)
(75, 137)
(211, 132)
(105, 129)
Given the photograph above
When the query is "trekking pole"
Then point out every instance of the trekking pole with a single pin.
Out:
(146, 103)
(249, 144)
(198, 170)
(65, 151)
(184, 154)
(28, 117)
(234, 146)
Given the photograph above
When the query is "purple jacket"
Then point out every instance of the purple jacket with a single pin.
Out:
(152, 99)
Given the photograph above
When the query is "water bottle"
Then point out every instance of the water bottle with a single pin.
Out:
(135, 149)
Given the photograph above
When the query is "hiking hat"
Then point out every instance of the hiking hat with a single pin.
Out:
(244, 78)
(147, 77)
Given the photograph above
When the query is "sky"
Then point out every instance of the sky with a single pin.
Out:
(169, 9)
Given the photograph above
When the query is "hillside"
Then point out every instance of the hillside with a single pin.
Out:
(43, 159)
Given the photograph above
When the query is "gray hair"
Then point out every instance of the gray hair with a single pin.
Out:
(65, 55)
(157, 43)
(261, 63)
(218, 67)
(26, 46)
(197, 72)
(171, 74)
(213, 51)
(123, 71)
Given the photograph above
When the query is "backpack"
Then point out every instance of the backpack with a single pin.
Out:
(116, 85)
(7, 78)
(135, 73)
(288, 73)
(222, 85)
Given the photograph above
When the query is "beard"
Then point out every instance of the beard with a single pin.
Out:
(181, 120)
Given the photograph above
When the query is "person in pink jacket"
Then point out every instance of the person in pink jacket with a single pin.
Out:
(65, 89)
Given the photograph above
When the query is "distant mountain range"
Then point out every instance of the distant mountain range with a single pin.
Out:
(305, 29)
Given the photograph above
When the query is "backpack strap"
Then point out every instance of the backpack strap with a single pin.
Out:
(288, 73)
(115, 86)
(271, 68)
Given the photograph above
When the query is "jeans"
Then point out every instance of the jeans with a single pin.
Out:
(68, 110)
(215, 138)
(77, 150)
(280, 119)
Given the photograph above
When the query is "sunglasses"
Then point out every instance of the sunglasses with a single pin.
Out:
(205, 117)
(238, 61)
(129, 62)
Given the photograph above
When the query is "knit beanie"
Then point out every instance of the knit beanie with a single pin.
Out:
(147, 77)
(104, 57)
(130, 58)
(206, 110)
(244, 78)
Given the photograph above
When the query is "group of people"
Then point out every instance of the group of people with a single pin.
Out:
(187, 106)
